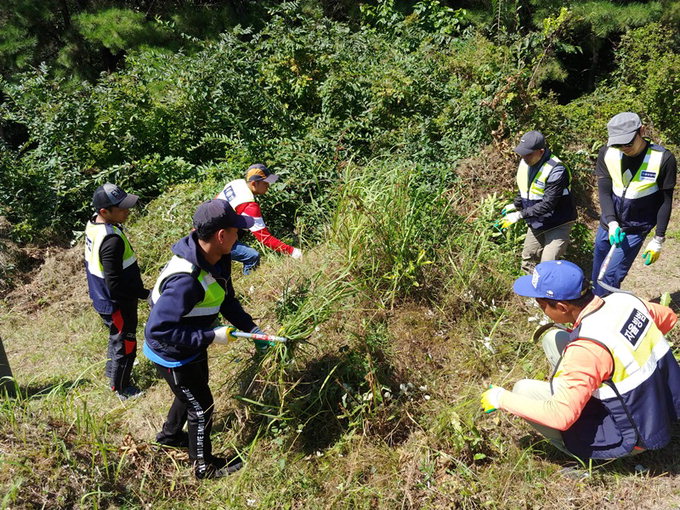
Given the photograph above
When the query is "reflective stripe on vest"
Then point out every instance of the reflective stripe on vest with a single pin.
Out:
(214, 293)
(95, 233)
(537, 188)
(644, 182)
(236, 193)
(633, 339)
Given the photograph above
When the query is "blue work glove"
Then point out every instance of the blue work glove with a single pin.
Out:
(616, 235)
(491, 398)
(261, 346)
(653, 250)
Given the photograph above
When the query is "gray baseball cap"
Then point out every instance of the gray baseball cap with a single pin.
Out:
(530, 142)
(622, 128)
(109, 195)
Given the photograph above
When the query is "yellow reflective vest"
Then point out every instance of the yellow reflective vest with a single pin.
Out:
(640, 402)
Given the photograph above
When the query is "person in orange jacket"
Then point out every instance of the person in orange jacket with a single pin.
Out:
(615, 390)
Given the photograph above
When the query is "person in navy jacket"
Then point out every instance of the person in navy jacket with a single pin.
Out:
(192, 290)
(544, 201)
(635, 182)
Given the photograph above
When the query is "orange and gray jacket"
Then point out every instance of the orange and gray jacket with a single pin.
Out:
(640, 402)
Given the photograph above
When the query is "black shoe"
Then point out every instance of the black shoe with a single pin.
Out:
(129, 392)
(218, 468)
(180, 440)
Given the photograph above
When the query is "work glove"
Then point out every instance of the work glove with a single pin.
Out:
(491, 398)
(149, 299)
(616, 235)
(510, 218)
(261, 346)
(653, 250)
(223, 334)
(507, 209)
(297, 254)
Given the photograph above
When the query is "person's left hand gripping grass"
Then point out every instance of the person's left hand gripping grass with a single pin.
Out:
(491, 398)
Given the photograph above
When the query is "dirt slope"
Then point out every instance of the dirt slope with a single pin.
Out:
(649, 282)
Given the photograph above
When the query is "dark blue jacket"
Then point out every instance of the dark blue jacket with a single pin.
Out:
(555, 208)
(175, 338)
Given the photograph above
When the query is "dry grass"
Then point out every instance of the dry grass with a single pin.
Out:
(69, 443)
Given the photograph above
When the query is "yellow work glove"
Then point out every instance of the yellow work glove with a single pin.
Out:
(491, 398)
(653, 250)
(223, 334)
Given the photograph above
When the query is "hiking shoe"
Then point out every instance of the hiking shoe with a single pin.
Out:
(129, 392)
(180, 440)
(218, 468)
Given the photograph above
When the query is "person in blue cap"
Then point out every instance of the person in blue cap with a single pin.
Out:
(615, 388)
(191, 291)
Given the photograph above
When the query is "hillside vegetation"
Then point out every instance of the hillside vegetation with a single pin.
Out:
(392, 126)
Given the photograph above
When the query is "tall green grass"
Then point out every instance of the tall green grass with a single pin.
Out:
(390, 221)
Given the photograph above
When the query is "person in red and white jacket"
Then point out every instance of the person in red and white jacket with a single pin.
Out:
(241, 196)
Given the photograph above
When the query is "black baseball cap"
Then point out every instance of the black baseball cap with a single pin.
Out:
(530, 142)
(110, 195)
(217, 214)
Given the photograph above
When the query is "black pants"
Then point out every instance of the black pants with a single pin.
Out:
(122, 350)
(194, 404)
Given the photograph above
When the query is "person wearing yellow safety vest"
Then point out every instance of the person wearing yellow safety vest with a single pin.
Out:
(615, 388)
(544, 202)
(114, 282)
(635, 182)
(191, 292)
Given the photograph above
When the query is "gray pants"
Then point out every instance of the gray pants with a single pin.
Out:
(540, 246)
(554, 341)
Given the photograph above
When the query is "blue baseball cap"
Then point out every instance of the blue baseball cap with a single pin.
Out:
(530, 142)
(554, 279)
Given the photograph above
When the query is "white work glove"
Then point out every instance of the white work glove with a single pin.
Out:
(616, 235)
(511, 218)
(653, 250)
(223, 334)
(507, 209)
(297, 254)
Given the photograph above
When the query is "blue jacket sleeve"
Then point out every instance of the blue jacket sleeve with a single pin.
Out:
(179, 295)
(232, 310)
(558, 180)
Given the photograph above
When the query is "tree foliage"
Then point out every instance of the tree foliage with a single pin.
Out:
(302, 92)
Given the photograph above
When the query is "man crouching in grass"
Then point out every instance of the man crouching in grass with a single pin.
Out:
(193, 288)
(615, 389)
